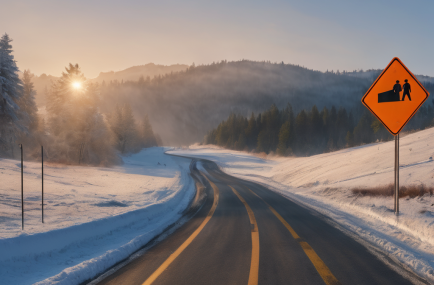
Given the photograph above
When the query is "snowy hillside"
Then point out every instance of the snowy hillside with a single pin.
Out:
(324, 182)
(94, 217)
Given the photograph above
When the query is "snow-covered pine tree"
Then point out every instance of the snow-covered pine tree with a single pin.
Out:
(27, 103)
(10, 94)
(148, 136)
(60, 98)
(77, 131)
(34, 138)
(124, 128)
(130, 134)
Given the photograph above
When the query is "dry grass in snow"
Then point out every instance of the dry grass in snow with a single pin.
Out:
(411, 191)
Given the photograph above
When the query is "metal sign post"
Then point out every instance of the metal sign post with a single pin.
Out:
(396, 194)
(393, 109)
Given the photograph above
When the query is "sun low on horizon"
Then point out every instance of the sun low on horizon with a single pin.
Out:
(77, 85)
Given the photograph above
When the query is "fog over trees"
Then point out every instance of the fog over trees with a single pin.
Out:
(183, 106)
(98, 122)
(135, 72)
(73, 129)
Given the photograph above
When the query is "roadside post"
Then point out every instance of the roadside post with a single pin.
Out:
(22, 190)
(394, 108)
(42, 177)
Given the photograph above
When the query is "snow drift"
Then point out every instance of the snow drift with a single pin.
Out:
(95, 217)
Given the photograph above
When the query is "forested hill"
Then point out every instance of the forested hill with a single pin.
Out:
(135, 72)
(184, 106)
(307, 132)
(43, 82)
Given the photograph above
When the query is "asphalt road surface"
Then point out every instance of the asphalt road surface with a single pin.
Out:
(247, 234)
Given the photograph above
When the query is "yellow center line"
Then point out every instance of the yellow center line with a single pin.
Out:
(320, 266)
(254, 265)
(174, 255)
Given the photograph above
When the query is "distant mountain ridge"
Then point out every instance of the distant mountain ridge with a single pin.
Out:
(183, 105)
(372, 74)
(134, 73)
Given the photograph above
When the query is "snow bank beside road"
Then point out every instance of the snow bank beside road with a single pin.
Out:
(324, 182)
(95, 217)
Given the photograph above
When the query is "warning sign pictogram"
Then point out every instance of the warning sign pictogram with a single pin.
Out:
(395, 96)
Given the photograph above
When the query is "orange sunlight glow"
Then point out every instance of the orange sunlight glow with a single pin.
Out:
(76, 85)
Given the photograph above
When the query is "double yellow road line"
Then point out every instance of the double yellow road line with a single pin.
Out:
(183, 246)
(325, 273)
(320, 266)
(254, 264)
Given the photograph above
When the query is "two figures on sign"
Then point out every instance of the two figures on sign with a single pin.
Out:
(407, 89)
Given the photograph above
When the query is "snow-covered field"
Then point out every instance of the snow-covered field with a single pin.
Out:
(324, 182)
(94, 216)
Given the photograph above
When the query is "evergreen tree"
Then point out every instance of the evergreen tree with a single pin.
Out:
(148, 136)
(141, 80)
(363, 132)
(124, 128)
(342, 127)
(259, 124)
(251, 132)
(10, 94)
(316, 131)
(222, 135)
(290, 118)
(62, 97)
(350, 139)
(263, 141)
(241, 142)
(34, 138)
(210, 138)
(268, 137)
(27, 103)
(301, 133)
(351, 121)
(77, 131)
(310, 133)
(332, 128)
(283, 147)
(231, 131)
(273, 126)
(325, 116)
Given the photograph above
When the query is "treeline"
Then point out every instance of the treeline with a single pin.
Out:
(184, 106)
(307, 132)
(73, 129)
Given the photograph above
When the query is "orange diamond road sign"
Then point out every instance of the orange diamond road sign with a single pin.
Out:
(395, 96)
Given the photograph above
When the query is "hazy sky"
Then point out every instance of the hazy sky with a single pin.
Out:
(104, 35)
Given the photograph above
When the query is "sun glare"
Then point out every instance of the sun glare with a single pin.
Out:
(76, 85)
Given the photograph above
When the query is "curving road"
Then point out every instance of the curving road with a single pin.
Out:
(247, 234)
